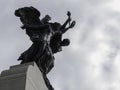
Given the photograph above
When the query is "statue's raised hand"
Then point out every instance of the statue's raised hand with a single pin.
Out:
(69, 18)
(68, 13)
(72, 24)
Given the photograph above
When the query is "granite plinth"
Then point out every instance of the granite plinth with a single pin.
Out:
(22, 77)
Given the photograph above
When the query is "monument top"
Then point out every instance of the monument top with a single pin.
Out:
(22, 77)
(46, 38)
(45, 35)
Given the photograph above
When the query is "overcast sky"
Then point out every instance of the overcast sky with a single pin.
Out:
(91, 62)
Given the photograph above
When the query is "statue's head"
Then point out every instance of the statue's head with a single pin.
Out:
(65, 42)
(46, 19)
(26, 13)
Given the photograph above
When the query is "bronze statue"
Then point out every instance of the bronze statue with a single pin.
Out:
(39, 34)
(46, 37)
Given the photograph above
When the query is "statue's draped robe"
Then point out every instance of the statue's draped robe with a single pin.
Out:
(40, 50)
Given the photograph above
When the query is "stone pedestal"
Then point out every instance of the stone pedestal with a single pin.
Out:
(22, 77)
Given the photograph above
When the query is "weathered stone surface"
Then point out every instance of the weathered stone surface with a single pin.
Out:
(22, 77)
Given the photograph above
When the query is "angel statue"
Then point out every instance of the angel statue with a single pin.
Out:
(46, 38)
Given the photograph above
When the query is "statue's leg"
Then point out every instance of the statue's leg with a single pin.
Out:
(47, 82)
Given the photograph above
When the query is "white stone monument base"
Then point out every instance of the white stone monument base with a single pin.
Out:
(22, 77)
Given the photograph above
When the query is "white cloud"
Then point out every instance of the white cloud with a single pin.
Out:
(114, 5)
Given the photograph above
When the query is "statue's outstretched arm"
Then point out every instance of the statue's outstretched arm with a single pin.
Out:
(35, 27)
(71, 25)
(63, 30)
(66, 22)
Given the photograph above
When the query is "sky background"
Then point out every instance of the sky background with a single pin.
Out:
(91, 62)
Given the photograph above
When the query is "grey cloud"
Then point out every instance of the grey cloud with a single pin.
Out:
(73, 69)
